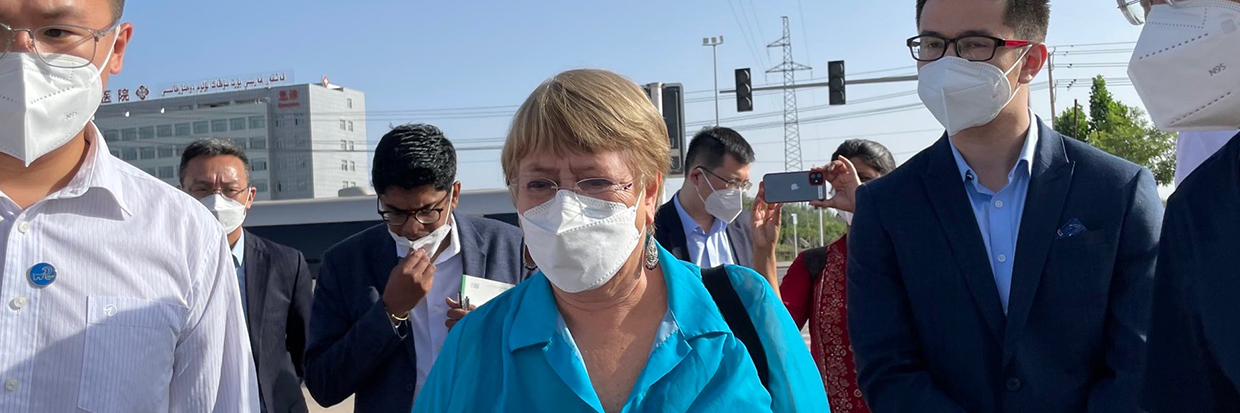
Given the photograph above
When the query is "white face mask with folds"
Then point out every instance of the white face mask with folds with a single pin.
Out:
(43, 107)
(428, 244)
(227, 211)
(579, 242)
(963, 94)
(1186, 65)
(724, 204)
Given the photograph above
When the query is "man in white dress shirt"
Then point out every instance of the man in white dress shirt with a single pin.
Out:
(118, 291)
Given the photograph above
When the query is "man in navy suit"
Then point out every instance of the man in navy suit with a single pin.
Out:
(386, 297)
(1006, 268)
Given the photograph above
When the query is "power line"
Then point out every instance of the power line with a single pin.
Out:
(749, 43)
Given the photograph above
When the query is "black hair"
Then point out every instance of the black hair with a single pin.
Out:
(874, 154)
(209, 147)
(1030, 18)
(710, 145)
(412, 156)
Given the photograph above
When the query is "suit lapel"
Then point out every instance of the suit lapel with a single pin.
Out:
(951, 204)
(257, 266)
(742, 250)
(668, 219)
(1048, 190)
(473, 258)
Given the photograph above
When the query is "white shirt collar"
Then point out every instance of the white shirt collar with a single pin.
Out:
(97, 171)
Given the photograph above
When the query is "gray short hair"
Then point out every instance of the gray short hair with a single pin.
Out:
(206, 148)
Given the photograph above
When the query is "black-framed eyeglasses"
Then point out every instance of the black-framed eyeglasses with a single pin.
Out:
(203, 191)
(730, 183)
(55, 44)
(424, 216)
(929, 48)
(542, 190)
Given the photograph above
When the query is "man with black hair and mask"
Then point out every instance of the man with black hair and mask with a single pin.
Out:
(387, 296)
(1007, 268)
(119, 293)
(1186, 67)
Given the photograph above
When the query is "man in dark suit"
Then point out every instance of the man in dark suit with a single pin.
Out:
(705, 222)
(386, 297)
(1194, 357)
(274, 279)
(1007, 268)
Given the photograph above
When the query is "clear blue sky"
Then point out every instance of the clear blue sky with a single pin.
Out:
(413, 58)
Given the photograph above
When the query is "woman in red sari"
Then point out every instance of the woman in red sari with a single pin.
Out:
(814, 288)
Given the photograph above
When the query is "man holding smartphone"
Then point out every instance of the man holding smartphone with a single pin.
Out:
(1007, 267)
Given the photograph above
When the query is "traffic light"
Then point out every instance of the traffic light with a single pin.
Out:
(744, 91)
(835, 75)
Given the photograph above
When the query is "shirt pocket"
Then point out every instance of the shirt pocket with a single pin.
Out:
(127, 362)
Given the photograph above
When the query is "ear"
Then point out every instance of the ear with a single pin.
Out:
(117, 61)
(1033, 63)
(250, 199)
(650, 197)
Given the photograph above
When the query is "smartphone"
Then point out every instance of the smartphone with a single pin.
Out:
(787, 187)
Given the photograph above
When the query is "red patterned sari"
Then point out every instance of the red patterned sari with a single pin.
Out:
(820, 301)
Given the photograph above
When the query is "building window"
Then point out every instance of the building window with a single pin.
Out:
(302, 185)
(258, 122)
(344, 145)
(130, 154)
(200, 128)
(259, 165)
(116, 153)
(350, 146)
(129, 134)
(296, 121)
(343, 125)
(345, 185)
(237, 123)
(349, 102)
(302, 164)
(239, 142)
(150, 171)
(112, 135)
(260, 186)
(352, 166)
(146, 132)
(148, 153)
(183, 129)
(350, 126)
(166, 172)
(219, 125)
(279, 187)
(163, 131)
(344, 165)
(167, 152)
(258, 143)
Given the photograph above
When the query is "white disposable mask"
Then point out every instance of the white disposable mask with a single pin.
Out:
(724, 204)
(578, 242)
(227, 211)
(963, 94)
(43, 107)
(1186, 65)
(428, 244)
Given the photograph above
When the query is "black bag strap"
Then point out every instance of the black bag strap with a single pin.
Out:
(815, 260)
(729, 303)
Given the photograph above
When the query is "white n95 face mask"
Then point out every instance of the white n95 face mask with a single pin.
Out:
(1186, 65)
(963, 94)
(725, 204)
(228, 211)
(428, 244)
(579, 242)
(43, 107)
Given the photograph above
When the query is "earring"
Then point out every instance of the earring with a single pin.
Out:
(652, 251)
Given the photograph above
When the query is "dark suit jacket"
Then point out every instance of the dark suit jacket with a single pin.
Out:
(353, 349)
(924, 314)
(670, 232)
(1194, 359)
(278, 293)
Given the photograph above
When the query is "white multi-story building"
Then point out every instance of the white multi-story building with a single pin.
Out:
(303, 141)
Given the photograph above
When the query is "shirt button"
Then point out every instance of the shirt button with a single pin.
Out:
(1002, 258)
(18, 303)
(23, 227)
(1013, 384)
(998, 204)
(10, 384)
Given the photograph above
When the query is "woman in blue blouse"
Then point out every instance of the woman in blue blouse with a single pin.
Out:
(611, 322)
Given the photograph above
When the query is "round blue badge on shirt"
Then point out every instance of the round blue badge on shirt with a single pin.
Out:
(42, 274)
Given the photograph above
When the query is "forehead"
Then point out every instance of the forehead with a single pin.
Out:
(226, 168)
(412, 199)
(22, 13)
(732, 168)
(955, 18)
(609, 164)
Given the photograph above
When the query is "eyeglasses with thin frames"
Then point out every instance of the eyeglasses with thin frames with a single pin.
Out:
(730, 183)
(538, 191)
(55, 43)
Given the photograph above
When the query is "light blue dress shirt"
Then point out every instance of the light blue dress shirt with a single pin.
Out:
(998, 213)
(238, 253)
(707, 250)
(515, 354)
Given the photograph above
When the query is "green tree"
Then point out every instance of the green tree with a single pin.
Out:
(1121, 130)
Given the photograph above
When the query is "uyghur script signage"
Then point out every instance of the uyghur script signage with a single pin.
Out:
(226, 84)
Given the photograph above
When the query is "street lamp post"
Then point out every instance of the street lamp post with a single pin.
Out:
(714, 43)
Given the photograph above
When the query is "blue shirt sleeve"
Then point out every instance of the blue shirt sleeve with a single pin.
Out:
(794, 381)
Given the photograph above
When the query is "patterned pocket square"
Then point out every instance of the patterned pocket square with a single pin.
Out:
(1073, 228)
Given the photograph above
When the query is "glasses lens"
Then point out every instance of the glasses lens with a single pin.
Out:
(65, 46)
(394, 218)
(429, 216)
(537, 191)
(596, 186)
(976, 48)
(1133, 12)
(927, 48)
